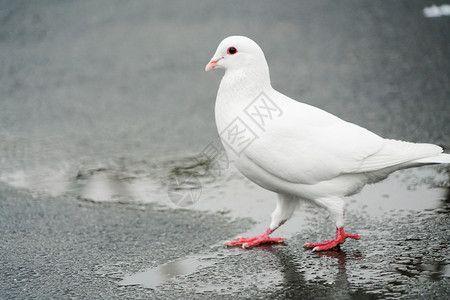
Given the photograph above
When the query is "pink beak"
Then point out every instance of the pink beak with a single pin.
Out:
(211, 65)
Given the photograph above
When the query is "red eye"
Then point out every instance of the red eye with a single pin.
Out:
(231, 50)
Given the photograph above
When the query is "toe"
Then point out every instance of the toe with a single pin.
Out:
(232, 243)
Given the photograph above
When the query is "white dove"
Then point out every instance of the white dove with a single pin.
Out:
(298, 151)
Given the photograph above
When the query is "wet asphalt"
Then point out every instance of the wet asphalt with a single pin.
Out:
(102, 103)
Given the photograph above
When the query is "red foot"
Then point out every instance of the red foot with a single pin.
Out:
(263, 238)
(341, 235)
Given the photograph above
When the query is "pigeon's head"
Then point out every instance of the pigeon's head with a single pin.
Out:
(238, 52)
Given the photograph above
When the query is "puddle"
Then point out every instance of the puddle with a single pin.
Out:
(182, 269)
(224, 271)
(168, 272)
(195, 183)
(409, 190)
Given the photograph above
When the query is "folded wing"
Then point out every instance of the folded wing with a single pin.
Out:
(308, 145)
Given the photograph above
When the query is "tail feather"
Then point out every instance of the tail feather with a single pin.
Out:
(439, 159)
(404, 155)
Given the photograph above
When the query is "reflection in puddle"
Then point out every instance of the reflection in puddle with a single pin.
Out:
(189, 270)
(224, 272)
(195, 183)
(184, 187)
(323, 274)
(102, 187)
(167, 272)
(407, 190)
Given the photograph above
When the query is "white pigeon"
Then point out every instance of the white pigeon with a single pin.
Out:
(298, 151)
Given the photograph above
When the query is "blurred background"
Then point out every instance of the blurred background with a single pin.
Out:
(100, 79)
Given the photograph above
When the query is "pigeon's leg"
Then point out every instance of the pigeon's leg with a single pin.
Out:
(336, 207)
(286, 206)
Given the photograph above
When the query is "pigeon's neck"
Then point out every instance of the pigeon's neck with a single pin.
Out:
(240, 84)
(238, 89)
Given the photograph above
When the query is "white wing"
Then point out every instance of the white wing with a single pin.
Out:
(308, 145)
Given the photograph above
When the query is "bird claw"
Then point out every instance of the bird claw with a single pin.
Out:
(246, 243)
(341, 235)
